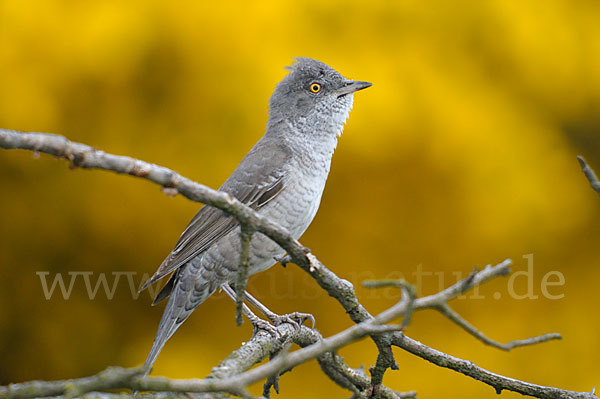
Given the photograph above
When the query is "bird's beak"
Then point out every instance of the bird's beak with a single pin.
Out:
(351, 86)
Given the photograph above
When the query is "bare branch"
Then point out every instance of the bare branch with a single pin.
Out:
(335, 368)
(254, 351)
(293, 359)
(456, 318)
(410, 293)
(119, 378)
(473, 279)
(343, 292)
(498, 382)
(439, 302)
(385, 356)
(225, 378)
(112, 377)
(589, 173)
(383, 283)
(155, 395)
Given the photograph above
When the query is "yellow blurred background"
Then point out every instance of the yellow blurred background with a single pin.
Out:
(461, 154)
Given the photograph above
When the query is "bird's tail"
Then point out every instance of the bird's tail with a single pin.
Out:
(188, 293)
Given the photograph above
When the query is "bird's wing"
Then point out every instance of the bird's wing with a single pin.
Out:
(258, 179)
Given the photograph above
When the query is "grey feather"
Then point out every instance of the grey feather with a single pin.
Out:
(265, 165)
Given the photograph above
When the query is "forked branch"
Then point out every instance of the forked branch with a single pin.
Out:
(439, 302)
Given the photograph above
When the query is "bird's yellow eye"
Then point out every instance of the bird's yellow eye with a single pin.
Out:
(315, 87)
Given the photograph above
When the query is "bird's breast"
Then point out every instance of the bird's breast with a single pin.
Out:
(297, 205)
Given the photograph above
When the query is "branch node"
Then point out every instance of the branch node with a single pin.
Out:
(313, 262)
(170, 191)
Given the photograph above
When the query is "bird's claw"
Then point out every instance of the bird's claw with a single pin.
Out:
(296, 319)
(260, 324)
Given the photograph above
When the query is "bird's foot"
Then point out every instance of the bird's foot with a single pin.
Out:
(260, 324)
(296, 319)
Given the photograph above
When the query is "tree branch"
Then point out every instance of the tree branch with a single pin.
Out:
(223, 378)
(343, 292)
(456, 318)
(498, 382)
(112, 377)
(439, 302)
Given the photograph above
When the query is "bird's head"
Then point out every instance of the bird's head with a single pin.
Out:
(313, 97)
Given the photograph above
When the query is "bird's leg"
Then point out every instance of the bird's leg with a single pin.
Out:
(257, 322)
(295, 318)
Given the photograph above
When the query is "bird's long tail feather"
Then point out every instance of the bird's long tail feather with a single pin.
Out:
(184, 298)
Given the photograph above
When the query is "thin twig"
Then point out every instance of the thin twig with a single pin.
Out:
(589, 173)
(242, 276)
(456, 318)
(440, 300)
(410, 293)
(473, 279)
(383, 283)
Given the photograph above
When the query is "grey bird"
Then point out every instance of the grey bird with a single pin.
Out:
(282, 178)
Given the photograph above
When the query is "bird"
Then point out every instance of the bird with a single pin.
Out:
(282, 178)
